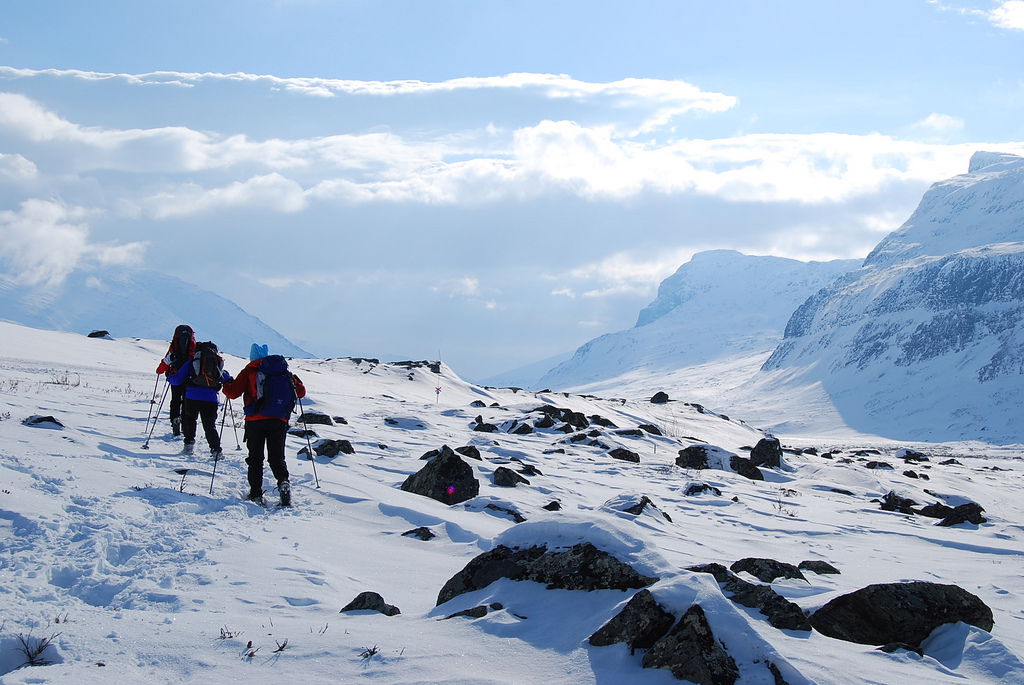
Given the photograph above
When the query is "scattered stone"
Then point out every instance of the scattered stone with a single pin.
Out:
(340, 420)
(810, 450)
(530, 470)
(637, 504)
(767, 452)
(469, 451)
(842, 492)
(965, 513)
(100, 334)
(371, 601)
(911, 474)
(650, 428)
(659, 398)
(507, 478)
(557, 450)
(544, 422)
(766, 570)
(865, 453)
(478, 403)
(640, 624)
(827, 455)
(878, 465)
(951, 462)
(330, 448)
(936, 511)
(316, 418)
(506, 511)
(893, 502)
(579, 437)
(565, 428)
(625, 455)
(745, 468)
(475, 612)
(580, 567)
(691, 652)
(780, 612)
(445, 478)
(577, 420)
(482, 427)
(42, 422)
(601, 421)
(693, 457)
(701, 488)
(423, 533)
(899, 612)
(822, 568)
(303, 433)
(553, 505)
(522, 429)
(630, 432)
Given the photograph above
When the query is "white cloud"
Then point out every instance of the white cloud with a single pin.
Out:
(467, 286)
(271, 192)
(1009, 15)
(14, 167)
(618, 274)
(44, 241)
(940, 123)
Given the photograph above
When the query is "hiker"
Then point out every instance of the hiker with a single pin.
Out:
(181, 349)
(201, 379)
(270, 393)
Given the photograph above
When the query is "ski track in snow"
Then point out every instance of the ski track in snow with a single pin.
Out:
(102, 545)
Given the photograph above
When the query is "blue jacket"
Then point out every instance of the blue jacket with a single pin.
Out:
(194, 392)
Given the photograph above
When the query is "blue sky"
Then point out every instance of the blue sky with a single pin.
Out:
(494, 182)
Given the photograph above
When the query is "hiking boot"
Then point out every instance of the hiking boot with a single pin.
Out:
(216, 454)
(285, 488)
(256, 497)
(176, 426)
(188, 447)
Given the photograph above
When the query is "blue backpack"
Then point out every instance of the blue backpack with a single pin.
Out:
(275, 392)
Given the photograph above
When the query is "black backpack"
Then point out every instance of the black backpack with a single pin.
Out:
(275, 391)
(207, 367)
(183, 346)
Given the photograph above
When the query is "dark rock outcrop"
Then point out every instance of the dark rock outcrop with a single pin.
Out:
(650, 428)
(893, 502)
(507, 478)
(701, 488)
(692, 653)
(99, 334)
(779, 611)
(965, 513)
(640, 624)
(820, 567)
(745, 468)
(899, 612)
(767, 452)
(371, 601)
(422, 533)
(445, 478)
(660, 397)
(553, 505)
(316, 418)
(766, 570)
(469, 451)
(580, 567)
(330, 448)
(693, 457)
(42, 421)
(625, 455)
(936, 510)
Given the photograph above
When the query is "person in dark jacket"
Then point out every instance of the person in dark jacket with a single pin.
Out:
(180, 351)
(199, 403)
(262, 431)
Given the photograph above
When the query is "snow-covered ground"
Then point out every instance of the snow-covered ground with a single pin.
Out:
(141, 574)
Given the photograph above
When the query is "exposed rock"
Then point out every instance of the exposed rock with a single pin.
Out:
(910, 474)
(316, 418)
(340, 420)
(650, 428)
(445, 478)
(640, 624)
(701, 488)
(840, 491)
(951, 462)
(580, 567)
(553, 505)
(745, 468)
(485, 428)
(469, 451)
(371, 601)
(506, 511)
(624, 454)
(423, 533)
(636, 505)
(936, 510)
(659, 398)
(766, 570)
(899, 612)
(820, 567)
(779, 611)
(100, 334)
(965, 513)
(893, 502)
(878, 465)
(331, 448)
(522, 429)
(692, 653)
(544, 422)
(767, 452)
(577, 420)
(42, 421)
(530, 470)
(303, 432)
(565, 428)
(693, 457)
(601, 421)
(630, 432)
(478, 403)
(475, 612)
(507, 478)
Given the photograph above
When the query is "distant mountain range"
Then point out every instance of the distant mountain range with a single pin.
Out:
(924, 340)
(720, 305)
(143, 304)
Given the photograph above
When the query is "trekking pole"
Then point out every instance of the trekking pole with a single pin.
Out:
(223, 415)
(152, 401)
(156, 418)
(234, 426)
(216, 458)
(309, 446)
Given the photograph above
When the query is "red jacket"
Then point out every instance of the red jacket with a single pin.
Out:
(245, 384)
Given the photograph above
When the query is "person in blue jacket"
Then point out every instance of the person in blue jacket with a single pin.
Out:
(202, 377)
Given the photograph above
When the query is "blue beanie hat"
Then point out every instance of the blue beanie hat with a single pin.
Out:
(258, 352)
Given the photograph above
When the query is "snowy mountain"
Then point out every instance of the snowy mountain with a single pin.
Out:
(720, 305)
(128, 565)
(926, 340)
(139, 303)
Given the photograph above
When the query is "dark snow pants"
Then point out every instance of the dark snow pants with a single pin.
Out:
(177, 395)
(194, 409)
(269, 434)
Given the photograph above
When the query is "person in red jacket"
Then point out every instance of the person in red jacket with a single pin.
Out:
(180, 351)
(269, 393)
